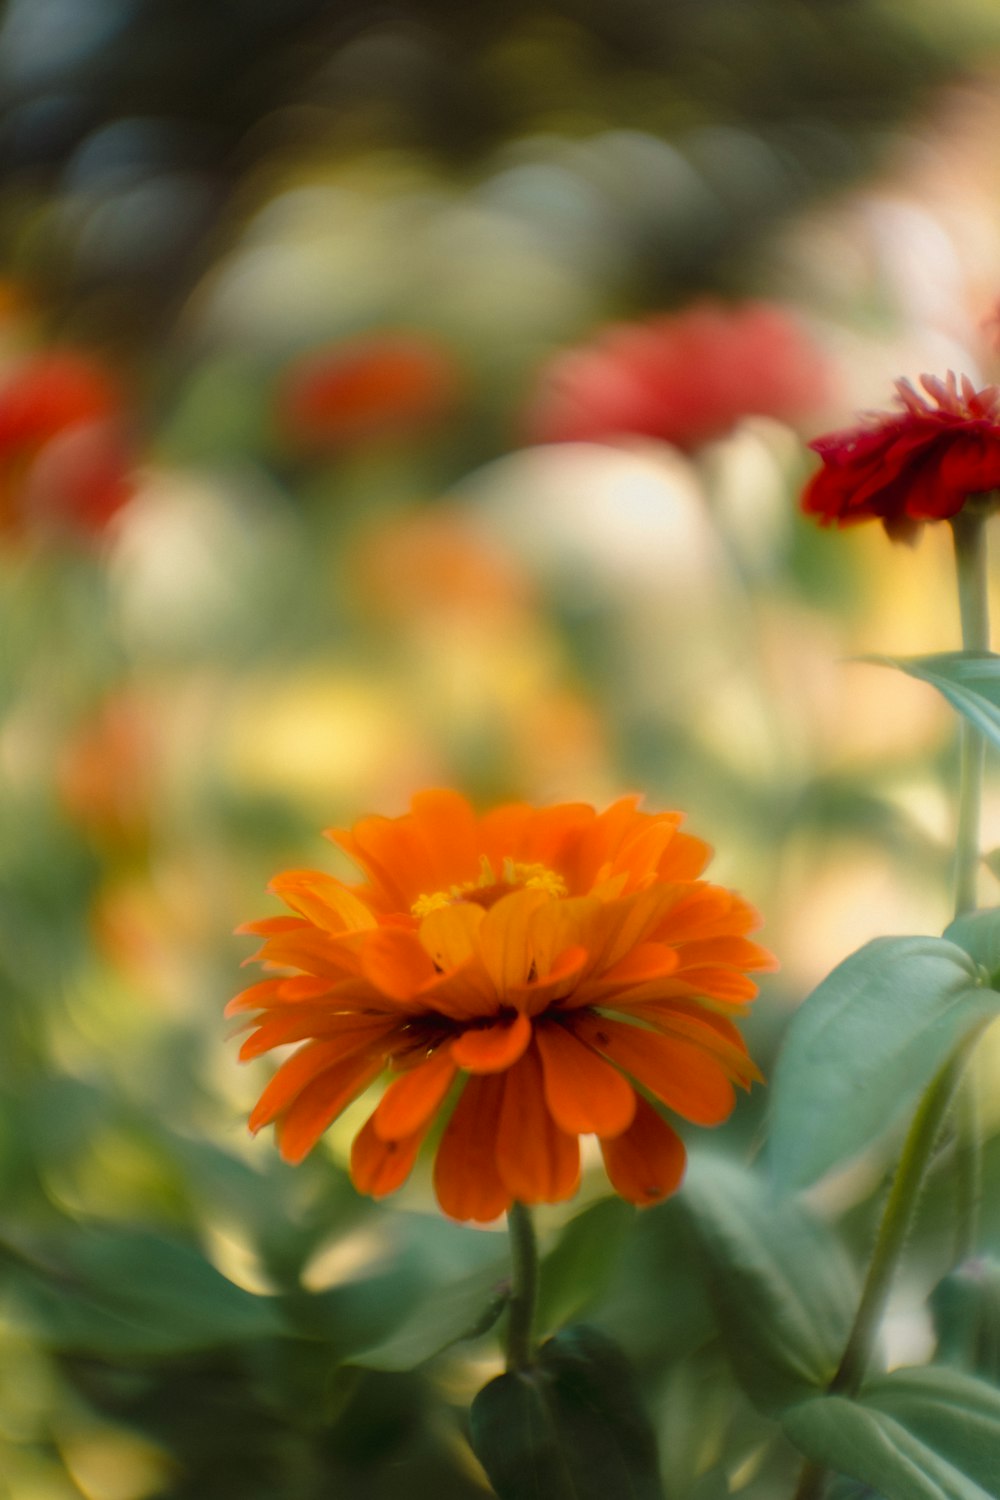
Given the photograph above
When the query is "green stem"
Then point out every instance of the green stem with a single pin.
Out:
(968, 1171)
(810, 1485)
(523, 1290)
(973, 601)
(897, 1216)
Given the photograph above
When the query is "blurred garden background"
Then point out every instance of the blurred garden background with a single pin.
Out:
(403, 395)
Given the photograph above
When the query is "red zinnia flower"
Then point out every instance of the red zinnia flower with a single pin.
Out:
(686, 378)
(915, 465)
(556, 969)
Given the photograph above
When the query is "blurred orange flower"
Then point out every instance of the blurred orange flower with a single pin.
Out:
(377, 385)
(686, 378)
(552, 967)
(921, 463)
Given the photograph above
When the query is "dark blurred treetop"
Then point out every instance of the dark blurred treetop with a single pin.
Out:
(124, 124)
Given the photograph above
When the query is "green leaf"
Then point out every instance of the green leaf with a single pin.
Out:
(466, 1309)
(978, 932)
(868, 1444)
(571, 1428)
(783, 1288)
(865, 1044)
(126, 1293)
(955, 1414)
(969, 680)
(575, 1273)
(966, 1309)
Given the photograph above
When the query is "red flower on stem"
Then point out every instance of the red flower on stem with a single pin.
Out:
(922, 463)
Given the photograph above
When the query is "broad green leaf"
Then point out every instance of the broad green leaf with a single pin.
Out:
(121, 1293)
(575, 1272)
(956, 1415)
(865, 1044)
(969, 680)
(966, 1309)
(571, 1428)
(868, 1445)
(978, 932)
(466, 1309)
(783, 1288)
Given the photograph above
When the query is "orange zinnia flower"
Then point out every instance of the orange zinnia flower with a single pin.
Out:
(556, 968)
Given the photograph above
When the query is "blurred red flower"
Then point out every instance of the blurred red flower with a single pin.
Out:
(919, 464)
(551, 969)
(374, 386)
(64, 457)
(686, 378)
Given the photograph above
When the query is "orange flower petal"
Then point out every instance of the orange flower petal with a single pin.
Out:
(491, 1049)
(684, 1076)
(395, 963)
(718, 983)
(256, 997)
(391, 855)
(450, 934)
(446, 826)
(676, 989)
(293, 989)
(412, 1100)
(466, 1180)
(321, 1101)
(464, 994)
(323, 900)
(548, 836)
(740, 952)
(703, 911)
(645, 1164)
(315, 952)
(717, 1035)
(296, 1023)
(504, 938)
(379, 1167)
(538, 1162)
(265, 926)
(645, 967)
(556, 984)
(293, 1076)
(561, 925)
(584, 1093)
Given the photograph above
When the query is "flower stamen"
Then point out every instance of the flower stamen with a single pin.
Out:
(488, 887)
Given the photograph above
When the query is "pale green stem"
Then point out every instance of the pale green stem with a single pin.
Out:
(523, 1288)
(897, 1216)
(973, 600)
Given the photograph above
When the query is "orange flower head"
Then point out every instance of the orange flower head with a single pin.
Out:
(546, 973)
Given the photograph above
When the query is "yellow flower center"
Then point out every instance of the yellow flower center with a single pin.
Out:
(488, 887)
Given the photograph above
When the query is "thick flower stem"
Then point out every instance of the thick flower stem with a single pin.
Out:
(897, 1216)
(973, 599)
(524, 1288)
